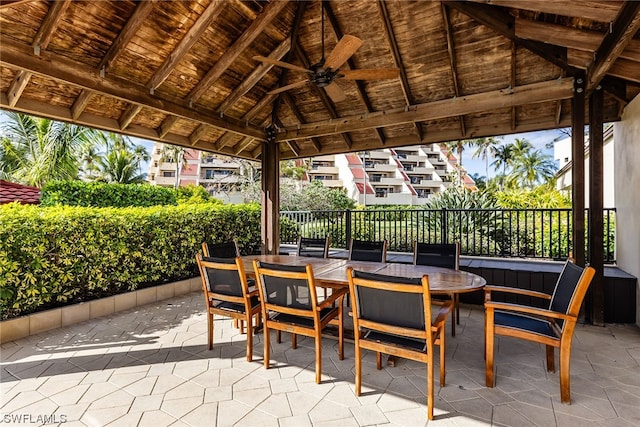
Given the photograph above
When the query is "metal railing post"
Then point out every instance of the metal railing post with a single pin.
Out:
(444, 238)
(347, 237)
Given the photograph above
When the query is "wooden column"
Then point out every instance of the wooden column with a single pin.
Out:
(596, 197)
(270, 231)
(577, 169)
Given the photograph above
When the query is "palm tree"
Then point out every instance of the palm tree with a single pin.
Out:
(173, 154)
(119, 167)
(503, 155)
(534, 167)
(485, 148)
(521, 147)
(36, 150)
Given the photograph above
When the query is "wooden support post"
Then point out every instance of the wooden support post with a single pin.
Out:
(270, 197)
(596, 197)
(577, 170)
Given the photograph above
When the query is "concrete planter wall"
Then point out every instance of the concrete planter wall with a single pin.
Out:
(43, 321)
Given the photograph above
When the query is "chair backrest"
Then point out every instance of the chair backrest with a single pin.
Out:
(221, 250)
(313, 247)
(289, 286)
(571, 288)
(382, 303)
(362, 250)
(222, 277)
(437, 255)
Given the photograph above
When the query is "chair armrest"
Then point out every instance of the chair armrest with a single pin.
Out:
(335, 294)
(527, 310)
(445, 309)
(509, 290)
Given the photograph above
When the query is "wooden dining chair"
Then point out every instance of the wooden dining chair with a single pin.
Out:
(392, 315)
(313, 247)
(290, 303)
(445, 255)
(226, 292)
(552, 326)
(362, 250)
(221, 250)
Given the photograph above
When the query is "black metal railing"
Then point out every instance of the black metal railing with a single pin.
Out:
(525, 233)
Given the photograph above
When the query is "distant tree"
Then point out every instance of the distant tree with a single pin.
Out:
(173, 154)
(503, 155)
(481, 181)
(119, 167)
(534, 167)
(485, 149)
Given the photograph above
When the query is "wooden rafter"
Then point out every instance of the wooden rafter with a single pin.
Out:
(227, 137)
(512, 81)
(255, 76)
(621, 68)
(190, 38)
(80, 103)
(391, 39)
(129, 114)
(335, 26)
(8, 3)
(143, 9)
(622, 31)
(469, 104)
(569, 37)
(452, 61)
(598, 11)
(322, 94)
(40, 42)
(269, 13)
(18, 55)
(292, 106)
(504, 24)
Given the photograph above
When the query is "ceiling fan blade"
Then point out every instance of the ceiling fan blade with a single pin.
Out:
(280, 64)
(287, 87)
(346, 47)
(370, 74)
(335, 92)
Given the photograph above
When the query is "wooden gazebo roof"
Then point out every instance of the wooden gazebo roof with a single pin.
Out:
(182, 72)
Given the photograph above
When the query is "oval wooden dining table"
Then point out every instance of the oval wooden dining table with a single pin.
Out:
(332, 273)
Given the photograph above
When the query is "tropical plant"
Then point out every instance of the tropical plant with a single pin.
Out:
(36, 150)
(533, 167)
(119, 167)
(503, 155)
(173, 154)
(485, 149)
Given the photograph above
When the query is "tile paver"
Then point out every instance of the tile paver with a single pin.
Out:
(150, 366)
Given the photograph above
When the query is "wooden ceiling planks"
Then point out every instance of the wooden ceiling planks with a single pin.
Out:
(183, 72)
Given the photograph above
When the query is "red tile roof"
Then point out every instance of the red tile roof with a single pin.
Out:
(12, 192)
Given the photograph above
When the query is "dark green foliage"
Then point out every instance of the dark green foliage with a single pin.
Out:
(194, 194)
(94, 194)
(59, 255)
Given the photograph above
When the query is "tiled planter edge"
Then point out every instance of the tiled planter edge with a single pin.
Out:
(31, 324)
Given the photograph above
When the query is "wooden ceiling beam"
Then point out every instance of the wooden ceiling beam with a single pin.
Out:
(622, 68)
(250, 115)
(294, 109)
(143, 9)
(603, 11)
(302, 57)
(198, 133)
(623, 29)
(337, 32)
(397, 58)
(452, 60)
(503, 23)
(252, 79)
(9, 3)
(40, 42)
(569, 37)
(512, 82)
(80, 103)
(269, 13)
(190, 38)
(468, 104)
(17, 55)
(129, 114)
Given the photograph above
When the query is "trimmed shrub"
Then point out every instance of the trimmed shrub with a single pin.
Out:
(58, 255)
(96, 194)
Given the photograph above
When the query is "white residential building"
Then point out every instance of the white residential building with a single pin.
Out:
(562, 154)
(399, 176)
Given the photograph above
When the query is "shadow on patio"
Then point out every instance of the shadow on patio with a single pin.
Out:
(150, 366)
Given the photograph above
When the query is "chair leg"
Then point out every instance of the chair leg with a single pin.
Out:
(340, 331)
(378, 360)
(454, 315)
(565, 386)
(294, 341)
(278, 336)
(358, 355)
(551, 364)
(442, 360)
(489, 347)
(318, 339)
(210, 329)
(241, 322)
(430, 389)
(249, 338)
(267, 345)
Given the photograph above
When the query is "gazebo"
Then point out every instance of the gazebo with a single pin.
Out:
(275, 80)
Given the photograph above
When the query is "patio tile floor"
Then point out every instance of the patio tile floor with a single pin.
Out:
(150, 366)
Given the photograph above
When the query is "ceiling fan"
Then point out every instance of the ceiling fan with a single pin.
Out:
(324, 73)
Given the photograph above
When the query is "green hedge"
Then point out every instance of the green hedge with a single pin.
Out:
(95, 194)
(56, 255)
